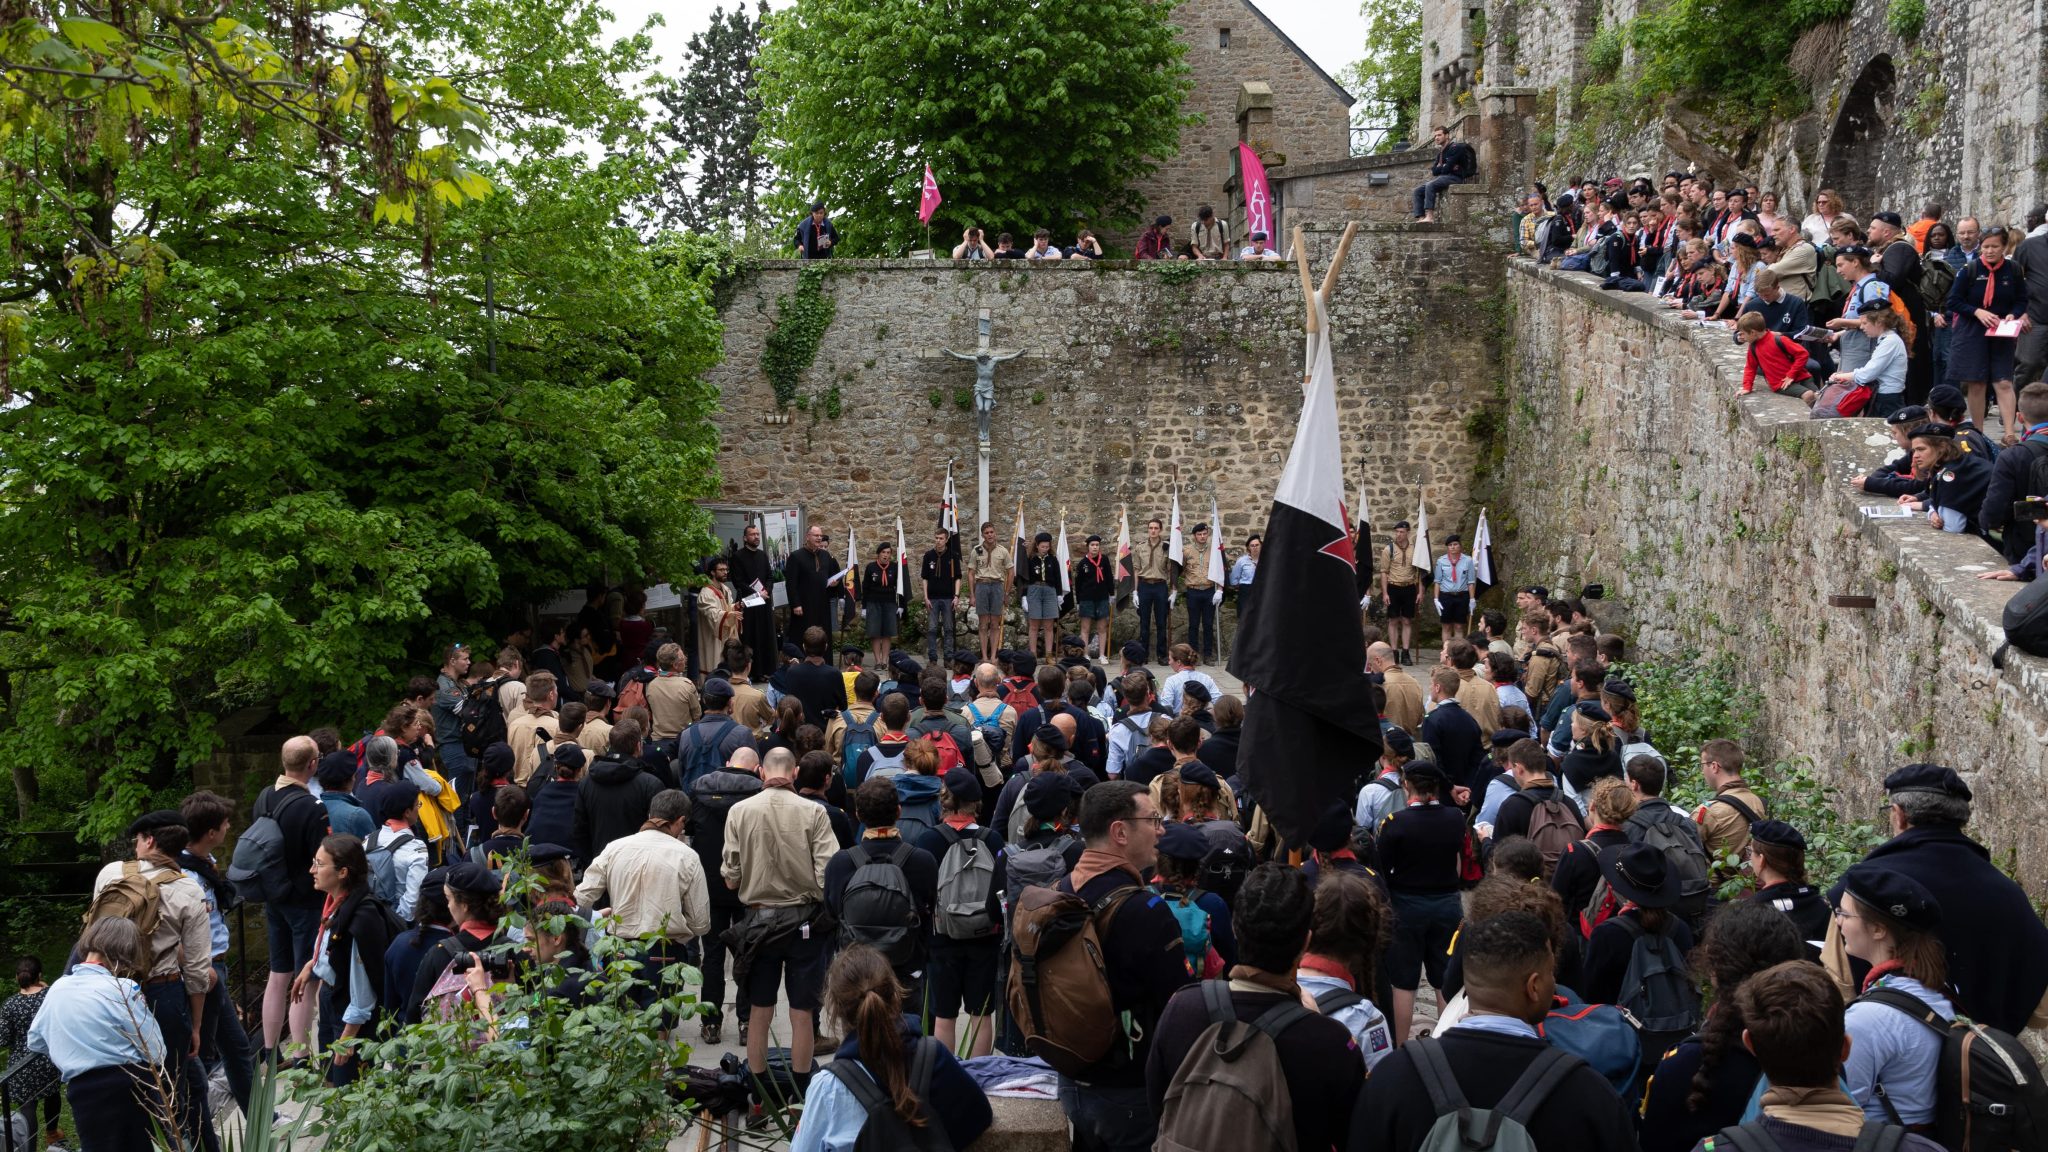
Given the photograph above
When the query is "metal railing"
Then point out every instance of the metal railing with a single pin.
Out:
(1373, 139)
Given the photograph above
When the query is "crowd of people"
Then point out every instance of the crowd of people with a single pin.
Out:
(933, 869)
(1207, 238)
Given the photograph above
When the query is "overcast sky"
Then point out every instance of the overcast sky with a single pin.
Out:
(1330, 31)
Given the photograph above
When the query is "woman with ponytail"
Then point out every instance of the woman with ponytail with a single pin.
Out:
(1705, 1084)
(881, 1059)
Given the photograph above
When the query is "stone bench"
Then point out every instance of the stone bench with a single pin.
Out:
(1025, 1126)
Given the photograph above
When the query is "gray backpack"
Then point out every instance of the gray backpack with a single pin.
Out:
(1657, 990)
(1230, 1092)
(1041, 865)
(1675, 835)
(967, 874)
(1460, 1127)
(385, 880)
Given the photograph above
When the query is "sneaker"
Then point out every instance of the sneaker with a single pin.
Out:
(709, 1032)
(744, 1021)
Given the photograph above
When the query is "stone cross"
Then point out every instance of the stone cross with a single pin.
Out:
(985, 360)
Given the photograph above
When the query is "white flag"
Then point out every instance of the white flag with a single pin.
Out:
(1359, 515)
(1066, 557)
(1176, 555)
(902, 566)
(850, 575)
(1126, 584)
(1482, 552)
(1216, 575)
(949, 515)
(1419, 554)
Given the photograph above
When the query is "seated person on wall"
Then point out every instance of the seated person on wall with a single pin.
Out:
(972, 246)
(1086, 247)
(1156, 242)
(1956, 480)
(1042, 247)
(1258, 249)
(1455, 163)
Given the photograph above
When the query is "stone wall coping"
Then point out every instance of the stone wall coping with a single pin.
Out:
(1055, 267)
(1412, 158)
(1941, 567)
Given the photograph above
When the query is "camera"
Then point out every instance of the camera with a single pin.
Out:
(494, 965)
(2032, 508)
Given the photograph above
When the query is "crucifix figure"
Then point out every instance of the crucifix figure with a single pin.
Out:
(985, 360)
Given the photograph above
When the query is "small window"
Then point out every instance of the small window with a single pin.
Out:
(1223, 38)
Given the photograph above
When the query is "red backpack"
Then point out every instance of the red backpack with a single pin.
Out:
(1019, 692)
(950, 756)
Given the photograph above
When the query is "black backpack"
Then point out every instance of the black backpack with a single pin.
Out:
(1754, 1137)
(877, 910)
(2026, 622)
(885, 1130)
(1988, 1091)
(478, 718)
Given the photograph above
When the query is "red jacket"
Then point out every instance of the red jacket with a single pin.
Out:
(1779, 357)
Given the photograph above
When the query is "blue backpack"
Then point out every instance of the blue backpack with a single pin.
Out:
(1602, 1035)
(860, 736)
(1194, 924)
(703, 757)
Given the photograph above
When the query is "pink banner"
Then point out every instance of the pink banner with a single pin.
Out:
(930, 201)
(1258, 205)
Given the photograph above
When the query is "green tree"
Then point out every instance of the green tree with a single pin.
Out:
(1029, 114)
(1387, 81)
(298, 429)
(714, 179)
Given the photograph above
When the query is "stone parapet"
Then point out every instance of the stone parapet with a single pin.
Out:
(1723, 523)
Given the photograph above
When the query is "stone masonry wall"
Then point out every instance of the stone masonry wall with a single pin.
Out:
(1130, 373)
(1311, 115)
(1722, 523)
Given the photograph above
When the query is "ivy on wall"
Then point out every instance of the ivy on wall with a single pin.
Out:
(792, 344)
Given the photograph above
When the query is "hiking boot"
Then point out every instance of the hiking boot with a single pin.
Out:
(708, 1031)
(744, 1021)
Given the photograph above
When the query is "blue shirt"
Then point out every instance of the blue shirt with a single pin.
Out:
(1453, 577)
(1241, 573)
(93, 1019)
(1891, 1048)
(832, 1118)
(362, 995)
(1169, 693)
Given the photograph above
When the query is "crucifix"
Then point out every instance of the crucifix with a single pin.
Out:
(985, 359)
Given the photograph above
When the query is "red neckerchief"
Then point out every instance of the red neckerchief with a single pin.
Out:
(960, 821)
(1324, 966)
(1990, 278)
(1879, 971)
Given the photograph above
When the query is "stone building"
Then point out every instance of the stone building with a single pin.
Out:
(1299, 114)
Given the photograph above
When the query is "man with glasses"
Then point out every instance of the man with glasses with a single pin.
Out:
(1142, 955)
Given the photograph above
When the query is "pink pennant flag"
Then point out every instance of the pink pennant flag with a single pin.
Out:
(930, 201)
(1258, 205)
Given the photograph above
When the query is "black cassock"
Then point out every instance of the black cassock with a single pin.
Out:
(757, 625)
(809, 575)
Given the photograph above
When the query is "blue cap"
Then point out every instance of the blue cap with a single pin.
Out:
(1183, 842)
(1778, 834)
(1592, 710)
(1932, 778)
(1894, 895)
(1197, 773)
(1047, 794)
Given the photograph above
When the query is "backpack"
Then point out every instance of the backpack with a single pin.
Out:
(967, 874)
(1677, 837)
(990, 726)
(1230, 1092)
(1331, 1001)
(984, 759)
(703, 758)
(1058, 991)
(2025, 619)
(1829, 290)
(950, 755)
(877, 910)
(384, 875)
(1194, 924)
(1550, 235)
(1460, 1127)
(633, 695)
(1937, 276)
(1553, 826)
(1602, 904)
(478, 719)
(1042, 866)
(886, 764)
(1988, 1090)
(857, 737)
(133, 897)
(1604, 1036)
(1602, 258)
(914, 820)
(258, 869)
(1754, 1137)
(1019, 692)
(884, 1130)
(1226, 865)
(1657, 990)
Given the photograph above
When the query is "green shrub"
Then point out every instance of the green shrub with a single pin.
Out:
(1906, 17)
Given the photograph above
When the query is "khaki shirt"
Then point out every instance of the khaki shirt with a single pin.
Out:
(673, 706)
(1544, 673)
(522, 733)
(182, 944)
(1404, 701)
(656, 885)
(1148, 561)
(750, 707)
(777, 844)
(1195, 577)
(1476, 694)
(992, 564)
(1400, 569)
(1722, 828)
(595, 736)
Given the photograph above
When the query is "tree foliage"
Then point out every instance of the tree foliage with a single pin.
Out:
(1029, 114)
(715, 179)
(1733, 55)
(1387, 81)
(277, 429)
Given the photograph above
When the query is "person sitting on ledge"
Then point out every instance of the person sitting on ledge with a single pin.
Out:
(1455, 164)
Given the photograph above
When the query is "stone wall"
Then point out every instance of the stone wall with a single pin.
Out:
(1129, 374)
(1722, 523)
(1311, 114)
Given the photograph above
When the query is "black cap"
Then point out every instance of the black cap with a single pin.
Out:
(570, 756)
(1197, 773)
(1162, 221)
(1891, 218)
(960, 656)
(1935, 431)
(1592, 710)
(1931, 778)
(1777, 833)
(1196, 690)
(906, 664)
(1052, 738)
(791, 651)
(1909, 415)
(149, 822)
(1892, 894)
(336, 768)
(717, 688)
(964, 785)
(1538, 591)
(1005, 655)
(1619, 689)
(602, 689)
(1023, 663)
(1857, 250)
(1400, 524)
(497, 761)
(396, 799)
(1422, 770)
(1638, 873)
(850, 650)
(1397, 739)
(1333, 831)
(436, 878)
(817, 205)
(472, 879)
(1047, 794)
(1070, 640)
(1743, 240)
(1946, 397)
(1134, 652)
(1508, 737)
(1183, 842)
(547, 853)
(1258, 236)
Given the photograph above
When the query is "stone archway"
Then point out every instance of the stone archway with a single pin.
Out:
(1856, 144)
